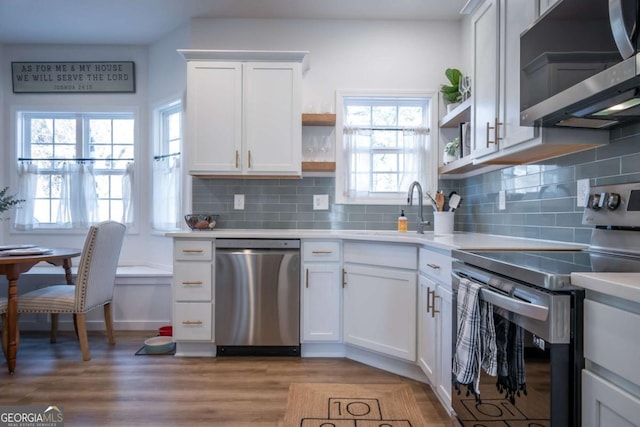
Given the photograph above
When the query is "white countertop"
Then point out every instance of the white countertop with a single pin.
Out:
(457, 240)
(621, 285)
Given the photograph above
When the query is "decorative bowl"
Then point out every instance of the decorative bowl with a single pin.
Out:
(158, 345)
(201, 221)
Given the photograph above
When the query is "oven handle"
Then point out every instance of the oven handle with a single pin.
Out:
(522, 308)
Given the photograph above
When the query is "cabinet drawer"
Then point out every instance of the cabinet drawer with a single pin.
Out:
(193, 250)
(193, 321)
(192, 281)
(320, 251)
(435, 265)
(382, 255)
(611, 339)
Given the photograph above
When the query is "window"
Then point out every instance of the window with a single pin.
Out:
(384, 147)
(75, 169)
(166, 168)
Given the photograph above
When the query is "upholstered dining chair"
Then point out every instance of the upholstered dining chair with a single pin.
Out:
(93, 285)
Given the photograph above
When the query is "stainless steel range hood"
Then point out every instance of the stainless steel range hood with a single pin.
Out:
(597, 102)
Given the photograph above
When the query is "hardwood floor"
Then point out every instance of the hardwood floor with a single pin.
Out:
(117, 388)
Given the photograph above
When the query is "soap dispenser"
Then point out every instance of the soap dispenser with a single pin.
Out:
(402, 222)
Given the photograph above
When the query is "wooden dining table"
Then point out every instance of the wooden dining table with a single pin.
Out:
(12, 266)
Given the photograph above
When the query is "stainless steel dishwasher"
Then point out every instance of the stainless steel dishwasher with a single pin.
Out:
(257, 297)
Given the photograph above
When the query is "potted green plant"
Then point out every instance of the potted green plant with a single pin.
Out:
(451, 151)
(7, 201)
(451, 92)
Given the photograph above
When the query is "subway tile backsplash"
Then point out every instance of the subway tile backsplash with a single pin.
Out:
(540, 198)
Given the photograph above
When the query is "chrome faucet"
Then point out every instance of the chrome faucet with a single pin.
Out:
(421, 222)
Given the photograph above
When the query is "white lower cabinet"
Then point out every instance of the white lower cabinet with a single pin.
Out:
(193, 321)
(321, 292)
(193, 291)
(435, 309)
(380, 302)
(611, 380)
(427, 330)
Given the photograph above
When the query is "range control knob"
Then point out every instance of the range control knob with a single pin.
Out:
(613, 201)
(594, 202)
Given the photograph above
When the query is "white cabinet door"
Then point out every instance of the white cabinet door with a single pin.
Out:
(321, 293)
(192, 281)
(515, 17)
(214, 117)
(427, 330)
(243, 118)
(484, 110)
(272, 118)
(605, 405)
(444, 305)
(380, 310)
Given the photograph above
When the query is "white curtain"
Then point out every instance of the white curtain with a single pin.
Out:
(356, 150)
(415, 156)
(27, 184)
(127, 196)
(78, 196)
(166, 193)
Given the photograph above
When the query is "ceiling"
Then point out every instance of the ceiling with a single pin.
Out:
(145, 21)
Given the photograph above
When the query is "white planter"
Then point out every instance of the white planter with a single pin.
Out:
(452, 106)
(448, 158)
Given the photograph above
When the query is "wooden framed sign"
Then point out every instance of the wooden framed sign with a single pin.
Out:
(74, 77)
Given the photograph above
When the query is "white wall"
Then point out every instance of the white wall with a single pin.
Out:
(402, 55)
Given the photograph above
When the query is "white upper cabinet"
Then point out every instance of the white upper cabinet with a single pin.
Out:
(484, 111)
(243, 113)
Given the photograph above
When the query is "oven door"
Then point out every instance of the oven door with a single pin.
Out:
(548, 396)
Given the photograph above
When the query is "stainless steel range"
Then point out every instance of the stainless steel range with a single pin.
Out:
(535, 320)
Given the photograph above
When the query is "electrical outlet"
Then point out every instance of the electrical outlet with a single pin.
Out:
(582, 192)
(238, 201)
(502, 200)
(320, 202)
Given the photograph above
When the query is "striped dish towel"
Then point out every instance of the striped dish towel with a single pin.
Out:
(467, 357)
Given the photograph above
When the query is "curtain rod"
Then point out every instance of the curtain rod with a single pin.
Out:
(164, 156)
(80, 159)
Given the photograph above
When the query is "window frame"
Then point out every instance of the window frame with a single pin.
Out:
(17, 131)
(161, 147)
(428, 182)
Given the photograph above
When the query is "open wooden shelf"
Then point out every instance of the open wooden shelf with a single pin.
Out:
(318, 119)
(460, 114)
(318, 166)
(465, 164)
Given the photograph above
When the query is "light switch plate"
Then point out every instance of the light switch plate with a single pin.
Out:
(582, 191)
(320, 202)
(502, 200)
(238, 201)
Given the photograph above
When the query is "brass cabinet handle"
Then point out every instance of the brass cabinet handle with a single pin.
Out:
(307, 278)
(495, 127)
(249, 159)
(434, 266)
(321, 251)
(192, 283)
(489, 127)
(433, 304)
(237, 159)
(192, 251)
(192, 322)
(344, 277)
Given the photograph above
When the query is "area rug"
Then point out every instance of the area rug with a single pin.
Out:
(352, 405)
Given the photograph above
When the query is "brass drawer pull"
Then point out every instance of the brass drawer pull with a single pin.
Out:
(249, 159)
(307, 278)
(192, 283)
(192, 322)
(321, 251)
(192, 251)
(237, 159)
(344, 277)
(434, 266)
